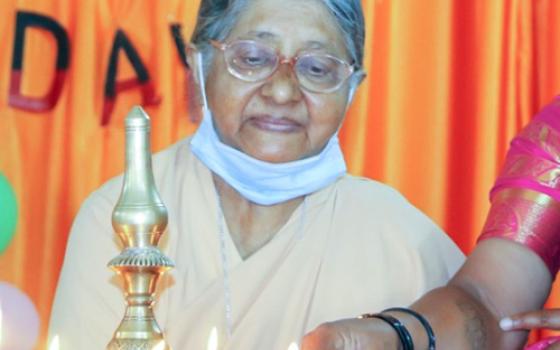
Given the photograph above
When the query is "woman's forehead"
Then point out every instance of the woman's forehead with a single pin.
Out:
(296, 24)
(304, 42)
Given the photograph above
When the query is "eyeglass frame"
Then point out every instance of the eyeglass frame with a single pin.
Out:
(282, 59)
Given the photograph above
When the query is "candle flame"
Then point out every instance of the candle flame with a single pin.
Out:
(213, 340)
(160, 345)
(293, 346)
(55, 343)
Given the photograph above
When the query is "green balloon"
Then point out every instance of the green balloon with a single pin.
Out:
(8, 213)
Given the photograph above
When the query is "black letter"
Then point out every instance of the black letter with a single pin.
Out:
(177, 33)
(112, 87)
(48, 101)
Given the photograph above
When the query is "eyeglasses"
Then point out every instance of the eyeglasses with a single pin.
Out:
(252, 61)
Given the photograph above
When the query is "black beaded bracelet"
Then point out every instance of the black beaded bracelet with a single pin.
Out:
(402, 332)
(422, 320)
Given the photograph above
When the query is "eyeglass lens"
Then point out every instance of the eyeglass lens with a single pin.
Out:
(251, 61)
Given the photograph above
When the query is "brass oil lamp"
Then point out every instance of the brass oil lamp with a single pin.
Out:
(139, 219)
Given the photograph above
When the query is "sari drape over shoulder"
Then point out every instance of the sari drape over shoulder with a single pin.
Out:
(355, 246)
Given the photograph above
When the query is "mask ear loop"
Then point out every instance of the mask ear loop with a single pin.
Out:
(201, 82)
(206, 113)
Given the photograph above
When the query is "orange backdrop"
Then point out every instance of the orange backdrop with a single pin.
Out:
(449, 84)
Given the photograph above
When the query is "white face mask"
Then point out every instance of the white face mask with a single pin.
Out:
(262, 182)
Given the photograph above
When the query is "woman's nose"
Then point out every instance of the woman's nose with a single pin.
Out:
(283, 86)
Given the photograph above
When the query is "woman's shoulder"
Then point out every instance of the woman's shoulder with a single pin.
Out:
(379, 202)
(370, 191)
(174, 157)
(384, 206)
(165, 164)
(388, 216)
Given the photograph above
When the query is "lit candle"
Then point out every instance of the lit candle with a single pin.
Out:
(160, 346)
(213, 340)
(293, 346)
(55, 343)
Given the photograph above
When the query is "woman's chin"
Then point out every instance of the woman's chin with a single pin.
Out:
(273, 152)
(275, 158)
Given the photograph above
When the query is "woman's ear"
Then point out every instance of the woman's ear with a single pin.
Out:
(355, 82)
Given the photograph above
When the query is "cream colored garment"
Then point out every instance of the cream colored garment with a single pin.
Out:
(362, 248)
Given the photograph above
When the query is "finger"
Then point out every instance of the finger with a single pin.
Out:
(532, 319)
(555, 346)
(325, 337)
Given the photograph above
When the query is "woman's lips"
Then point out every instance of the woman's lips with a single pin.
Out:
(275, 124)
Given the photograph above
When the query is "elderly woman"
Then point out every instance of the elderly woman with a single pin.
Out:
(269, 234)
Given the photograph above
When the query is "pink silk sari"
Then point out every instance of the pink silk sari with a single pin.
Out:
(526, 197)
(543, 344)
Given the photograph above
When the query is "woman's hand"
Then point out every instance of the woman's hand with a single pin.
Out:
(548, 318)
(351, 334)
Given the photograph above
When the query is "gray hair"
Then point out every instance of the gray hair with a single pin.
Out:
(216, 19)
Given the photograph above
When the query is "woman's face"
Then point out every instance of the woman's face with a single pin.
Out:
(275, 120)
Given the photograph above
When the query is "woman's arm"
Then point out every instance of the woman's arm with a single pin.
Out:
(499, 278)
